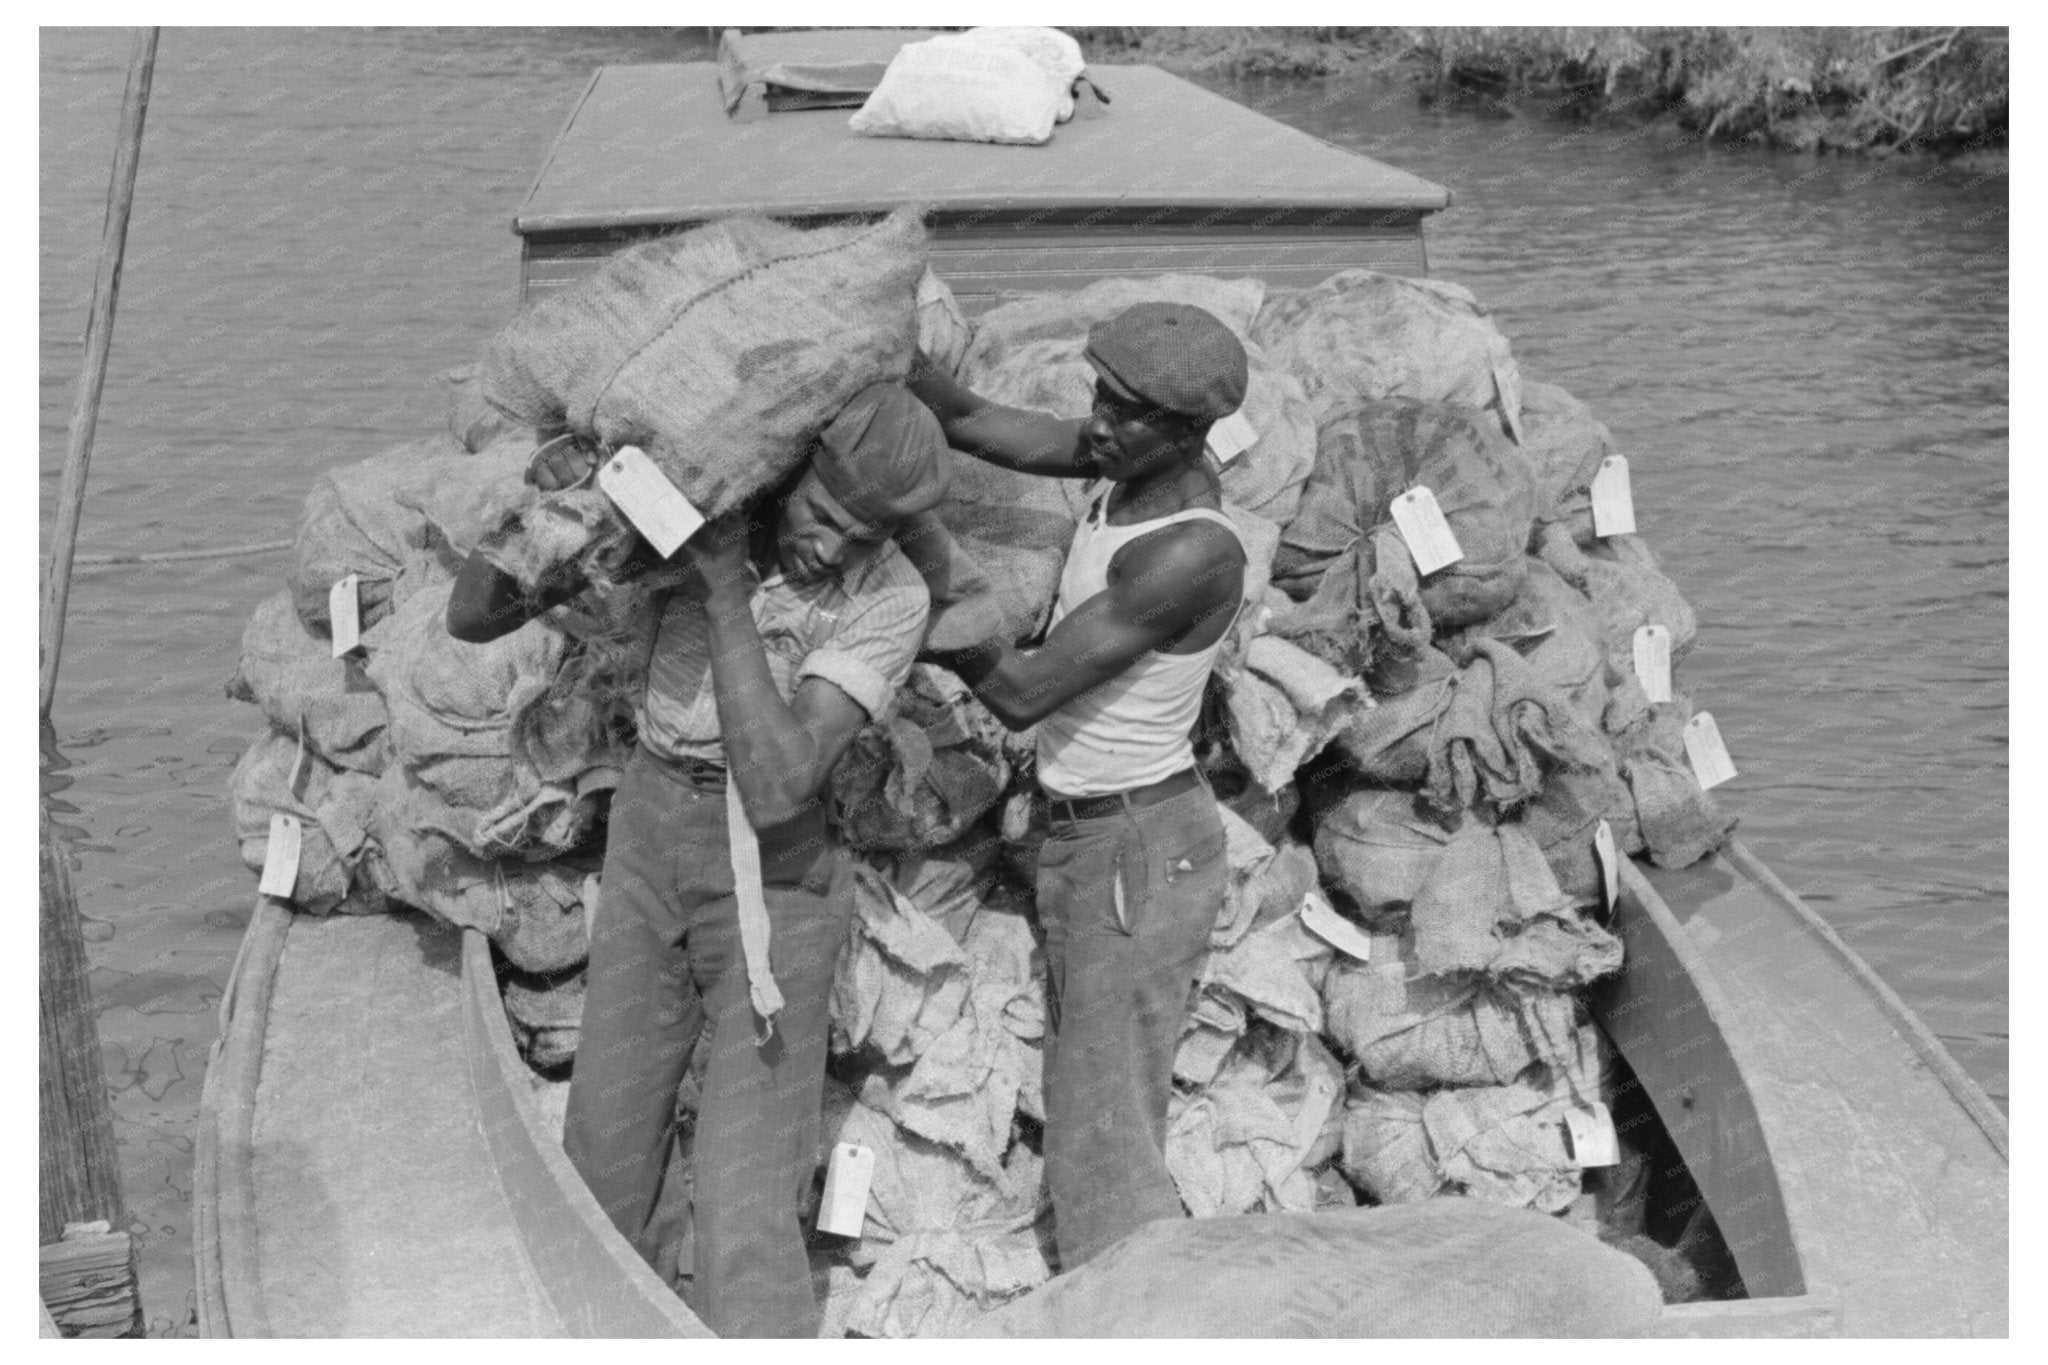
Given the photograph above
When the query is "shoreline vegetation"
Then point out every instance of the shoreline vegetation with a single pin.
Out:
(1880, 91)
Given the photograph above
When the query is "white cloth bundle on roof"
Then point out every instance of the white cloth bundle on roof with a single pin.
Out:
(1248, 1141)
(1285, 706)
(1361, 335)
(334, 808)
(293, 675)
(995, 84)
(1504, 1144)
(1414, 1031)
(942, 1244)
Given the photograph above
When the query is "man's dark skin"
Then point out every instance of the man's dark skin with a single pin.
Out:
(1175, 590)
(781, 752)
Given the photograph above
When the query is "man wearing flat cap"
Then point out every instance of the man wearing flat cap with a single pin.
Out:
(1131, 875)
(780, 637)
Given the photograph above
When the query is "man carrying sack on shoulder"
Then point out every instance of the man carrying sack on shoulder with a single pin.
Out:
(1131, 876)
(726, 899)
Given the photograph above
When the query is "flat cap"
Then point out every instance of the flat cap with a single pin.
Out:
(1173, 354)
(883, 456)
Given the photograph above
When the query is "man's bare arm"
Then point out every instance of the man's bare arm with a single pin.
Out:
(1015, 438)
(1163, 587)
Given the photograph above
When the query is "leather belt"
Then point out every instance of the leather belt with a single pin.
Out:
(1137, 798)
(700, 773)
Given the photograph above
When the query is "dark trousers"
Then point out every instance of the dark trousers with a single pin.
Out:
(666, 967)
(1118, 991)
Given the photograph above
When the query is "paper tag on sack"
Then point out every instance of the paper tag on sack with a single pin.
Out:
(1322, 920)
(280, 858)
(1592, 1133)
(1653, 661)
(656, 507)
(1428, 536)
(1610, 864)
(593, 887)
(344, 614)
(1708, 755)
(844, 1208)
(1231, 437)
(1614, 508)
(291, 780)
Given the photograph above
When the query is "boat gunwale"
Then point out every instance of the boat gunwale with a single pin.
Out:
(1641, 900)
(1325, 208)
(224, 1236)
(500, 1079)
(1972, 1097)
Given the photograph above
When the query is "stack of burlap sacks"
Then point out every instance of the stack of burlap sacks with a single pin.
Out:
(1429, 754)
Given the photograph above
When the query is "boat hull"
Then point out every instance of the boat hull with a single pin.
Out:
(1858, 1177)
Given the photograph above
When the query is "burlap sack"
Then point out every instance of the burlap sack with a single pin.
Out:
(356, 522)
(721, 351)
(1448, 1268)
(1360, 335)
(334, 807)
(1413, 1031)
(293, 675)
(1368, 455)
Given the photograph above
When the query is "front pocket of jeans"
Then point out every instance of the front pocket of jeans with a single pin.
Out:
(1195, 858)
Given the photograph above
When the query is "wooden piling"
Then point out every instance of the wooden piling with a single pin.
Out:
(88, 1258)
(99, 338)
(90, 1288)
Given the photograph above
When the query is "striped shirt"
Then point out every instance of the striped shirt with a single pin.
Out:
(859, 633)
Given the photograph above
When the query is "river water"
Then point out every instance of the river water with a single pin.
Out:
(1805, 361)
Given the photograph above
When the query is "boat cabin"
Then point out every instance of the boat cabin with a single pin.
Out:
(1166, 177)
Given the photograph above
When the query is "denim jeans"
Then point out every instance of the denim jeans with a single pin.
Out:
(666, 967)
(1121, 969)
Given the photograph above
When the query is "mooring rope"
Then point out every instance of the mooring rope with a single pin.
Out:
(261, 547)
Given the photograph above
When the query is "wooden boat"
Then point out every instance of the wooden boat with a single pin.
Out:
(372, 1156)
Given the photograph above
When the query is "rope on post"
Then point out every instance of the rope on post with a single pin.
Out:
(99, 336)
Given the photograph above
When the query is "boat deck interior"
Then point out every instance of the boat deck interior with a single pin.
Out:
(378, 1207)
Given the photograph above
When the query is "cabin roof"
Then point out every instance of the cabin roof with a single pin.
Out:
(651, 144)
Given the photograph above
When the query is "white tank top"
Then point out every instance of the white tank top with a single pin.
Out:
(1137, 728)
